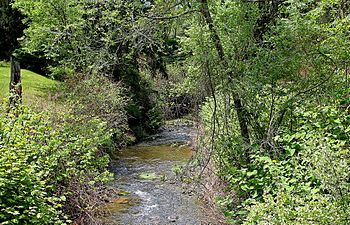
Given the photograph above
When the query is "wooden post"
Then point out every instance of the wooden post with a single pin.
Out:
(15, 83)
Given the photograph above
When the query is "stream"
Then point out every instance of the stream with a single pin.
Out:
(149, 192)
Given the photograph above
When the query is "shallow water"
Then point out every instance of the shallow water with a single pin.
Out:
(150, 193)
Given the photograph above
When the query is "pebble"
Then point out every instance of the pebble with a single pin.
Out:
(173, 218)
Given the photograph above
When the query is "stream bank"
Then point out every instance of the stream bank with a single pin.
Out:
(146, 180)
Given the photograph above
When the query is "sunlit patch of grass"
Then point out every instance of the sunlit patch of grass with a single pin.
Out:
(35, 86)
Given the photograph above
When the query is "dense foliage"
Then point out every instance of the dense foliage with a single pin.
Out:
(275, 130)
(93, 39)
(270, 79)
(310, 184)
(43, 164)
(96, 97)
(11, 28)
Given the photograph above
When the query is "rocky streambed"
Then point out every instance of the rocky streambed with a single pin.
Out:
(149, 191)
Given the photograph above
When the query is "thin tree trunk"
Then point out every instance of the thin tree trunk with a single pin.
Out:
(15, 83)
(242, 119)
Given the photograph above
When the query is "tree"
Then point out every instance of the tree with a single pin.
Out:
(280, 58)
(11, 28)
(241, 114)
(15, 83)
(108, 38)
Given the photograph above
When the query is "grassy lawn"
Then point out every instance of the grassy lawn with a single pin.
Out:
(35, 87)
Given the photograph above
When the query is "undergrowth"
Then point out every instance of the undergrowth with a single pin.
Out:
(303, 179)
(39, 163)
(53, 155)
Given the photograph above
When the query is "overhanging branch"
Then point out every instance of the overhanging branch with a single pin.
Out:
(169, 17)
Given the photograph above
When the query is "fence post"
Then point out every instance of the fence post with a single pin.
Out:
(15, 83)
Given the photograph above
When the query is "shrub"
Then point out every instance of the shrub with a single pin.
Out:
(302, 180)
(38, 162)
(315, 190)
(96, 97)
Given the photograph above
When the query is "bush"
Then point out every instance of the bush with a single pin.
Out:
(315, 190)
(304, 179)
(130, 112)
(38, 162)
(96, 97)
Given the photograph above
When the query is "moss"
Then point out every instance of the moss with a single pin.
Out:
(147, 176)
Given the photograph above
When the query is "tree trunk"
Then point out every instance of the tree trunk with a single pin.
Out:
(242, 119)
(15, 83)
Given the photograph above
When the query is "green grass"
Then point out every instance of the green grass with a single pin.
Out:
(35, 87)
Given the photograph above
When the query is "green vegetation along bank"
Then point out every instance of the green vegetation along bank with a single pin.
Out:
(268, 81)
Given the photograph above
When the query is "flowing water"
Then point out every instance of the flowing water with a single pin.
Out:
(149, 190)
